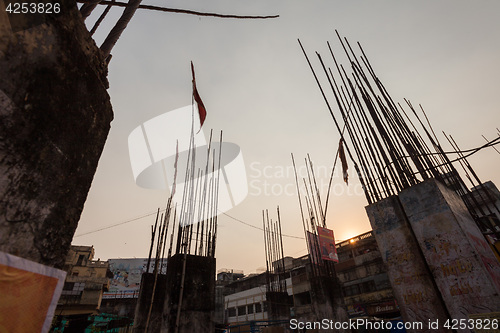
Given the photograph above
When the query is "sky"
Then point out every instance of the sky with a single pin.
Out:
(257, 88)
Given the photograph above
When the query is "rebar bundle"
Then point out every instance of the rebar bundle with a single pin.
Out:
(273, 245)
(196, 225)
(194, 229)
(313, 214)
(391, 147)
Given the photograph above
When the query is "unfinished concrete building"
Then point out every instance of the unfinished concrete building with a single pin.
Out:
(183, 299)
(429, 227)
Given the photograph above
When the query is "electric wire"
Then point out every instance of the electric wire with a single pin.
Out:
(162, 210)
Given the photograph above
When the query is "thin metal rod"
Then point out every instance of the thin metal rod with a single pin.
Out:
(356, 167)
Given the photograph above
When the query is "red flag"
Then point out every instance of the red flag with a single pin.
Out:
(344, 161)
(201, 108)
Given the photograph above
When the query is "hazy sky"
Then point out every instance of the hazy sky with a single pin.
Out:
(257, 88)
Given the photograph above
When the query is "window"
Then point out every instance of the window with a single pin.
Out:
(242, 310)
(250, 309)
(80, 260)
(72, 288)
(303, 298)
(351, 290)
(374, 268)
(258, 307)
(231, 312)
(344, 255)
(368, 286)
(68, 285)
(350, 274)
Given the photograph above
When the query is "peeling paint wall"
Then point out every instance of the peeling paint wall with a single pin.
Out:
(55, 115)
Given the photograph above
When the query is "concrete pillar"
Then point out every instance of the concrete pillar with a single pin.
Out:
(462, 263)
(144, 303)
(278, 305)
(55, 115)
(327, 300)
(410, 278)
(197, 305)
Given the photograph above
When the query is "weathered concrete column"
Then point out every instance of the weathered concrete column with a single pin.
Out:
(462, 264)
(142, 310)
(278, 305)
(55, 115)
(190, 286)
(327, 300)
(410, 278)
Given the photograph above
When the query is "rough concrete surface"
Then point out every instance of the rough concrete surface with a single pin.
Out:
(198, 294)
(55, 115)
(411, 280)
(144, 306)
(327, 300)
(462, 264)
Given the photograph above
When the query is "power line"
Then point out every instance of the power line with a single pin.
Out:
(116, 224)
(255, 227)
(154, 213)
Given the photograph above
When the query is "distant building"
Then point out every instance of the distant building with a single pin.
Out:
(225, 276)
(245, 303)
(301, 288)
(486, 200)
(80, 301)
(86, 280)
(487, 197)
(365, 283)
(245, 299)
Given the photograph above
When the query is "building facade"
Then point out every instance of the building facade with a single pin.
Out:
(487, 198)
(365, 284)
(86, 280)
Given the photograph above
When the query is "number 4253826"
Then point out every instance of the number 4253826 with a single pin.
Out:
(33, 8)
